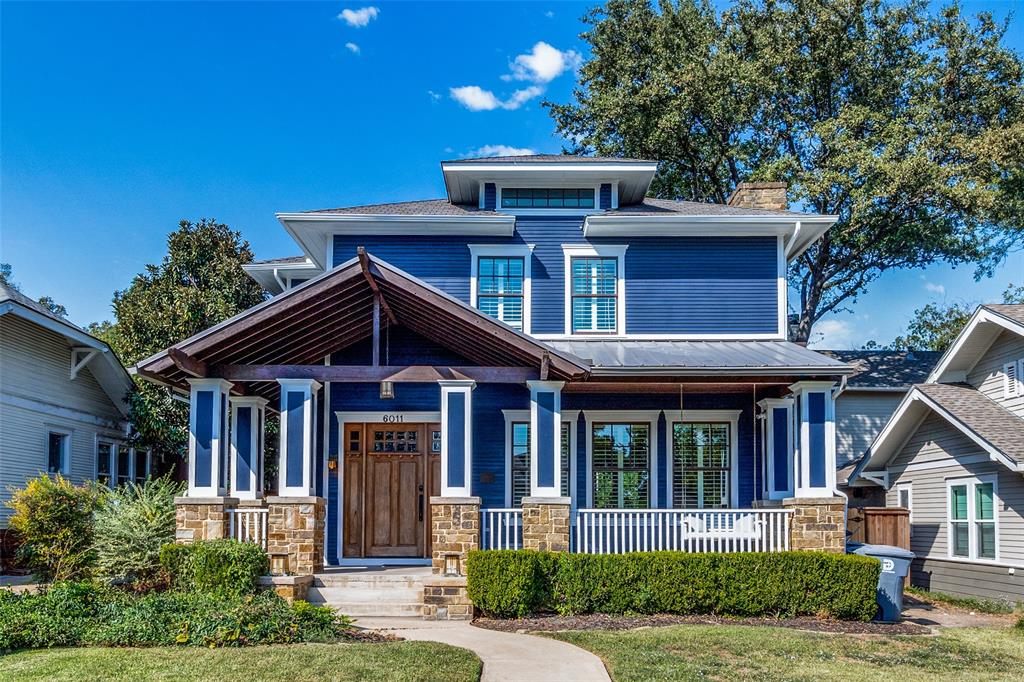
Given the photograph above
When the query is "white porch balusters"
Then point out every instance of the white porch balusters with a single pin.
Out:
(247, 419)
(208, 437)
(298, 435)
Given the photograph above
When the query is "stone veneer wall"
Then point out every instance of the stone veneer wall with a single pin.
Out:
(454, 529)
(201, 518)
(546, 523)
(765, 195)
(446, 598)
(295, 526)
(817, 524)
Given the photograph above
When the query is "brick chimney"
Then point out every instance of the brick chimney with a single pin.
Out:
(770, 196)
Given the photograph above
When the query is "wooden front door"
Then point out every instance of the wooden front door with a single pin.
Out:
(391, 470)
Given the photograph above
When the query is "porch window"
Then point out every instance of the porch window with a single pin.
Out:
(141, 465)
(124, 472)
(58, 458)
(500, 288)
(701, 465)
(104, 461)
(621, 465)
(521, 461)
(594, 300)
(973, 530)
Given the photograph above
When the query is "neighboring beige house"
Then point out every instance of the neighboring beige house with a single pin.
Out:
(953, 453)
(62, 402)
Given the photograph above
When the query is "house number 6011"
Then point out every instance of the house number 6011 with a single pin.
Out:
(394, 418)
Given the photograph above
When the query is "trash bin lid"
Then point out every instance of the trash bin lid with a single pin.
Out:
(882, 551)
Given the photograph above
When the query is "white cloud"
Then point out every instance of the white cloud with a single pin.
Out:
(359, 17)
(475, 98)
(434, 97)
(542, 64)
(499, 150)
(353, 48)
(833, 334)
(932, 287)
(549, 14)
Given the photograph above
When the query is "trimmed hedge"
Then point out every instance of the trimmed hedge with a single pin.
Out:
(516, 583)
(221, 567)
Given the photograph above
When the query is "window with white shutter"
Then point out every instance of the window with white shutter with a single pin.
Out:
(1012, 379)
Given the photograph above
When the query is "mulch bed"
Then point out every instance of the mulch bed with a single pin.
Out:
(600, 621)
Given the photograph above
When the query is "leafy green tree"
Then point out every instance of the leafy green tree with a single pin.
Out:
(6, 274)
(199, 283)
(907, 125)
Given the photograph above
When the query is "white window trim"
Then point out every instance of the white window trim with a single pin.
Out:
(114, 446)
(972, 545)
(1013, 382)
(65, 455)
(623, 416)
(732, 417)
(547, 210)
(570, 251)
(909, 488)
(524, 251)
(570, 417)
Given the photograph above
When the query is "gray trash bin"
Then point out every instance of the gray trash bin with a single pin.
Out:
(895, 567)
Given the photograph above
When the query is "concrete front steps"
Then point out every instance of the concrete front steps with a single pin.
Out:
(371, 592)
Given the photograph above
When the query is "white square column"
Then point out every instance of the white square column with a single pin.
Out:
(298, 438)
(778, 448)
(248, 415)
(456, 437)
(545, 438)
(815, 452)
(208, 437)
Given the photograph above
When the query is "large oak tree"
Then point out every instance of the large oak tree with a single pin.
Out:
(907, 125)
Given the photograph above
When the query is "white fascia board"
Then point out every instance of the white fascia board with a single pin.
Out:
(942, 372)
(548, 167)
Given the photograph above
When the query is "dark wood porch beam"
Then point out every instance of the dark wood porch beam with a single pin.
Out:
(187, 364)
(545, 365)
(364, 263)
(368, 374)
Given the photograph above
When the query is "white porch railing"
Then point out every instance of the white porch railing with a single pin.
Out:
(501, 528)
(248, 525)
(614, 531)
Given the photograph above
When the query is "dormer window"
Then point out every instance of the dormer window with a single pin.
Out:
(547, 198)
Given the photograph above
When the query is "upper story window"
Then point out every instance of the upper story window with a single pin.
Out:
(594, 289)
(500, 282)
(547, 198)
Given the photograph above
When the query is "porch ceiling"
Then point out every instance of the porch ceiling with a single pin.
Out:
(335, 310)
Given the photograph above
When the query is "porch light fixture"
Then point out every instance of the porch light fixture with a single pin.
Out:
(278, 563)
(387, 390)
(451, 564)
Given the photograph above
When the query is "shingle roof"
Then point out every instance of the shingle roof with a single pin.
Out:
(1012, 311)
(8, 293)
(981, 415)
(547, 158)
(424, 207)
(886, 369)
(287, 260)
(653, 206)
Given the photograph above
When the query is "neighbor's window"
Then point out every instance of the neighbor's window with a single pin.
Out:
(547, 198)
(521, 461)
(124, 471)
(104, 461)
(701, 465)
(594, 286)
(972, 521)
(141, 465)
(500, 288)
(58, 458)
(621, 464)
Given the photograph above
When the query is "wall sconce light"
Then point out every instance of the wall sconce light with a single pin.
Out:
(279, 563)
(451, 564)
(332, 463)
(387, 390)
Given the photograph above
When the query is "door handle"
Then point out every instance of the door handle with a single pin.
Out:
(421, 507)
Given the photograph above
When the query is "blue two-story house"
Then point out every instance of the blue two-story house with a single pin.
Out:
(544, 332)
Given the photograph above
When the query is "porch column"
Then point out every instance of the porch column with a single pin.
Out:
(546, 511)
(298, 433)
(455, 515)
(247, 419)
(819, 520)
(778, 447)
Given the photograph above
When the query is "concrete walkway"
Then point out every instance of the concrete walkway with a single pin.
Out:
(506, 655)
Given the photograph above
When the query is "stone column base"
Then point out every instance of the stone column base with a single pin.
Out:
(446, 598)
(546, 523)
(818, 523)
(454, 529)
(288, 587)
(295, 526)
(201, 518)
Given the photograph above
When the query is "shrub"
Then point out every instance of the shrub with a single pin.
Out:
(516, 583)
(134, 522)
(86, 614)
(222, 567)
(53, 521)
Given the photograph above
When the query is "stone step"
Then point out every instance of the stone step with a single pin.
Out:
(375, 609)
(334, 581)
(356, 594)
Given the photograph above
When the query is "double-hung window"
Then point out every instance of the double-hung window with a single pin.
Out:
(594, 294)
(141, 463)
(973, 526)
(701, 465)
(621, 458)
(124, 464)
(58, 452)
(500, 288)
(520, 435)
(104, 461)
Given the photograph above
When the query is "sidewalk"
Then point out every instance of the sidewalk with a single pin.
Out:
(506, 655)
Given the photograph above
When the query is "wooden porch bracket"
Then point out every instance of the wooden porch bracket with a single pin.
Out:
(545, 366)
(364, 263)
(187, 364)
(370, 374)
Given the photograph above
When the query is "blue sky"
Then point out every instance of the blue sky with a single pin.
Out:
(119, 119)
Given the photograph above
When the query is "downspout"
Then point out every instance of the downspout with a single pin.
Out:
(792, 240)
(280, 282)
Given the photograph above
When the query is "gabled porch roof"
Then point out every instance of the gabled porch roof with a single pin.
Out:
(335, 310)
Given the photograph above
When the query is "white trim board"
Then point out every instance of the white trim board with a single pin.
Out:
(942, 372)
(52, 410)
(567, 417)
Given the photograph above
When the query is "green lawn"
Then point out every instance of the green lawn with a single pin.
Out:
(690, 652)
(397, 662)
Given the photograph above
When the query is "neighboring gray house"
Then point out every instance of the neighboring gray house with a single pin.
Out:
(62, 401)
(880, 380)
(953, 453)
